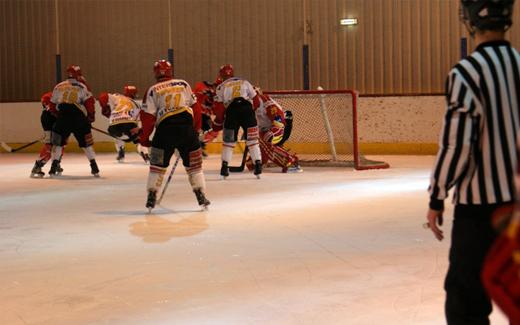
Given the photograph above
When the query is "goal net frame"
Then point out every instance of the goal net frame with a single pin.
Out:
(359, 162)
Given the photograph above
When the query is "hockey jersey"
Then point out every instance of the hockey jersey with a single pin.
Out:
(119, 108)
(234, 88)
(75, 93)
(167, 98)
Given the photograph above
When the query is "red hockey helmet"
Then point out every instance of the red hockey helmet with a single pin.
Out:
(130, 91)
(73, 71)
(226, 71)
(162, 69)
(46, 98)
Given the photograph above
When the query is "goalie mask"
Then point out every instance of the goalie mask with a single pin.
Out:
(487, 14)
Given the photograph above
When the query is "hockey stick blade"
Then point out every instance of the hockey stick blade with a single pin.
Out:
(239, 169)
(9, 149)
(6, 147)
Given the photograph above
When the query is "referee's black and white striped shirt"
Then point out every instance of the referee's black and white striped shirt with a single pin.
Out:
(477, 154)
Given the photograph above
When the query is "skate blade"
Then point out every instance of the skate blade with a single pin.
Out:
(36, 176)
(96, 175)
(257, 176)
(223, 177)
(203, 207)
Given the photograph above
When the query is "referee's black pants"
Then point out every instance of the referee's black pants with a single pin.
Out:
(472, 235)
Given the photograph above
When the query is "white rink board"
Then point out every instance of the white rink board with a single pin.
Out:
(327, 246)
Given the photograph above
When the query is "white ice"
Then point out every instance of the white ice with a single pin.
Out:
(327, 246)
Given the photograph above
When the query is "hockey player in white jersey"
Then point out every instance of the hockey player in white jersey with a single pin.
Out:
(167, 108)
(75, 106)
(123, 113)
(233, 109)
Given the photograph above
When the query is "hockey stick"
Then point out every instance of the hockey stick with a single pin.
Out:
(9, 149)
(101, 131)
(239, 169)
(169, 179)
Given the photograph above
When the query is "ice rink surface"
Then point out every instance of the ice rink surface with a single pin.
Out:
(326, 246)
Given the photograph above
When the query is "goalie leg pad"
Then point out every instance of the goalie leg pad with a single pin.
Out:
(155, 178)
(228, 136)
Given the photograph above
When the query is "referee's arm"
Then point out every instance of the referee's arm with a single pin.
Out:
(455, 140)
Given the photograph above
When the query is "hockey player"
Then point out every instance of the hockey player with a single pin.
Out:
(123, 114)
(47, 118)
(167, 107)
(272, 122)
(75, 106)
(202, 109)
(233, 109)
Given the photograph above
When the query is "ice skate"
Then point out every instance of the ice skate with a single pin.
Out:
(224, 170)
(201, 199)
(121, 155)
(150, 201)
(258, 168)
(94, 170)
(37, 172)
(55, 169)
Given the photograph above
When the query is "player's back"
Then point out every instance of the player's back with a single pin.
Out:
(234, 88)
(167, 98)
(123, 109)
(70, 92)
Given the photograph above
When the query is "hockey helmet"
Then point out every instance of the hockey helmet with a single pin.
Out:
(226, 71)
(162, 69)
(73, 71)
(130, 91)
(487, 14)
(218, 81)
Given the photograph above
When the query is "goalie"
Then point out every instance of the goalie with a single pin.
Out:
(275, 128)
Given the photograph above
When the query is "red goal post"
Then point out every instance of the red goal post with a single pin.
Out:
(325, 128)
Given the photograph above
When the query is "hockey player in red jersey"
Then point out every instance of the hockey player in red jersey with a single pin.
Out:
(272, 122)
(202, 109)
(123, 114)
(74, 104)
(167, 108)
(47, 118)
(233, 109)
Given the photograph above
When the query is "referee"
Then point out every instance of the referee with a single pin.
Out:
(477, 154)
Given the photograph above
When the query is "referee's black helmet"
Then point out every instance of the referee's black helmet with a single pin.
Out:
(487, 14)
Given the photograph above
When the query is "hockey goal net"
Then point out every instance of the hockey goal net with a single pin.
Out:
(325, 130)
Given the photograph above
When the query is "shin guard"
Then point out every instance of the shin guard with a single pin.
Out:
(252, 143)
(197, 180)
(89, 152)
(155, 178)
(227, 151)
(45, 153)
